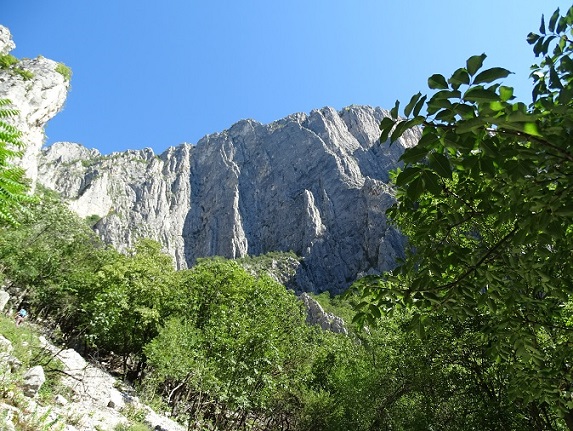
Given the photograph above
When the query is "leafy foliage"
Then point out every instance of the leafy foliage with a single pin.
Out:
(129, 299)
(8, 62)
(13, 186)
(50, 259)
(232, 343)
(485, 199)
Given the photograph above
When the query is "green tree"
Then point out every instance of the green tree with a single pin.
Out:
(232, 349)
(385, 379)
(130, 302)
(49, 259)
(13, 185)
(486, 201)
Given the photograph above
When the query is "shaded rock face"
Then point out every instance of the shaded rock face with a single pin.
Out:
(314, 184)
(37, 99)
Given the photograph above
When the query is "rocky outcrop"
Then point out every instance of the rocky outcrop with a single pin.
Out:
(128, 195)
(314, 184)
(38, 94)
(317, 316)
(4, 297)
(92, 402)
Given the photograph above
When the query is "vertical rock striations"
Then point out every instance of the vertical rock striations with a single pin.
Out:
(313, 184)
(125, 195)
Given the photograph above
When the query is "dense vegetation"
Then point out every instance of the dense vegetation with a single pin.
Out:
(221, 347)
(486, 200)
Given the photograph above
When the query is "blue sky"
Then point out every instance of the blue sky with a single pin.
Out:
(156, 74)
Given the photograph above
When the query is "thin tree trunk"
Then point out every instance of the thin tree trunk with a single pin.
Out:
(569, 420)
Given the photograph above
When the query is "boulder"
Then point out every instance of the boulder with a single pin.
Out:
(317, 316)
(4, 297)
(33, 381)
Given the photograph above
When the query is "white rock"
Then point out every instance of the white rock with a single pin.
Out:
(43, 341)
(116, 400)
(317, 316)
(4, 297)
(5, 345)
(6, 42)
(37, 99)
(60, 400)
(316, 184)
(7, 414)
(33, 381)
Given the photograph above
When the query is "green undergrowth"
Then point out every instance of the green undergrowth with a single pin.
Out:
(28, 350)
(64, 70)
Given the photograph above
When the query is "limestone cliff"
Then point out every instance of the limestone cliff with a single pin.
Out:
(314, 184)
(38, 91)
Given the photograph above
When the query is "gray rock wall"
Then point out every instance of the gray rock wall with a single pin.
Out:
(314, 184)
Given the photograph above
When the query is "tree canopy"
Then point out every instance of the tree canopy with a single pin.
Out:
(486, 201)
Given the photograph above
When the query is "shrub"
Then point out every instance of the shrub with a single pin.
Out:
(64, 70)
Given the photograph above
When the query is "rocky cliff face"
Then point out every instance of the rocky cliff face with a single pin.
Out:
(314, 184)
(37, 95)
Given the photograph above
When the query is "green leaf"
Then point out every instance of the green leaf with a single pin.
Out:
(479, 94)
(538, 47)
(432, 183)
(532, 38)
(474, 63)
(394, 110)
(554, 80)
(553, 20)
(418, 106)
(459, 77)
(415, 188)
(542, 26)
(429, 137)
(527, 128)
(375, 311)
(435, 104)
(465, 111)
(400, 128)
(505, 93)
(520, 117)
(413, 122)
(408, 109)
(437, 82)
(407, 175)
(445, 94)
(386, 126)
(414, 154)
(440, 164)
(469, 125)
(561, 25)
(491, 75)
